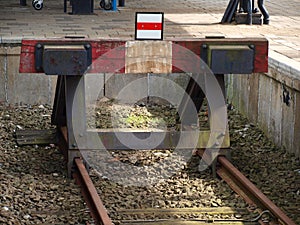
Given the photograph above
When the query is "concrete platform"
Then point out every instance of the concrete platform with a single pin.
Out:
(183, 19)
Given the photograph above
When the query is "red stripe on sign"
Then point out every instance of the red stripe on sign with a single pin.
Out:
(148, 26)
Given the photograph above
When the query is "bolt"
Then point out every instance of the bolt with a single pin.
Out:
(74, 145)
(87, 46)
(204, 46)
(39, 46)
(252, 46)
(221, 135)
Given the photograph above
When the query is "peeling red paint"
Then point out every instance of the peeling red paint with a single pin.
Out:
(109, 55)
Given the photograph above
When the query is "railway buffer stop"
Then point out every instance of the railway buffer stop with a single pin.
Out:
(70, 59)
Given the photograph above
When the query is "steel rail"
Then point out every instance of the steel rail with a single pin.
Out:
(234, 177)
(82, 178)
(90, 194)
(230, 174)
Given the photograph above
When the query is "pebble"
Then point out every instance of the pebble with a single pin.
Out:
(29, 172)
(6, 117)
(204, 190)
(19, 127)
(5, 208)
(238, 216)
(41, 174)
(26, 217)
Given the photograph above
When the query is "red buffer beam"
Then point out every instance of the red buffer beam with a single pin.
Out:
(116, 56)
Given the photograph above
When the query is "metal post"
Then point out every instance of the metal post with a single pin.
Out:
(249, 12)
(264, 11)
(58, 116)
(242, 7)
(114, 5)
(65, 6)
(23, 3)
(121, 3)
(75, 113)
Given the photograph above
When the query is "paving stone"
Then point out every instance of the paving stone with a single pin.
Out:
(189, 19)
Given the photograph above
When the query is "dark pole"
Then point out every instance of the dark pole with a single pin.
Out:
(121, 3)
(264, 11)
(249, 12)
(242, 8)
(65, 6)
(22, 2)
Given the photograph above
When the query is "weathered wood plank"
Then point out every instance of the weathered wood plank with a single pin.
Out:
(32, 137)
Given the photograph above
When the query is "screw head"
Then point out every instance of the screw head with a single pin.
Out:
(39, 46)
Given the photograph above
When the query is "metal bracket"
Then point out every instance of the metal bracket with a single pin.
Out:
(66, 59)
(229, 59)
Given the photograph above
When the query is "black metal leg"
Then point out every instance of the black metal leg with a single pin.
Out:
(65, 6)
(59, 107)
(194, 91)
(75, 106)
(230, 10)
(221, 82)
(249, 12)
(242, 6)
(121, 3)
(264, 11)
(23, 3)
(75, 114)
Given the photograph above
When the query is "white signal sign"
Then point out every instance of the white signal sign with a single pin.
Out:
(149, 25)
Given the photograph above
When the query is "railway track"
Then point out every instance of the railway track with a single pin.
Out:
(250, 193)
(69, 116)
(233, 177)
(269, 213)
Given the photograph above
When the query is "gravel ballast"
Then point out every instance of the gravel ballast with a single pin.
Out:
(34, 185)
(35, 189)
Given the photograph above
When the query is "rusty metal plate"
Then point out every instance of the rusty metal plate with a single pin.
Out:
(64, 60)
(69, 59)
(227, 59)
